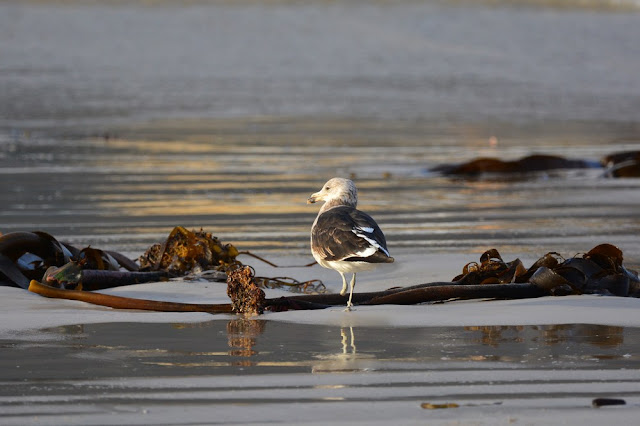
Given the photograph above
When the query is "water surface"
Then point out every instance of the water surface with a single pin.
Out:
(112, 131)
(130, 370)
(121, 120)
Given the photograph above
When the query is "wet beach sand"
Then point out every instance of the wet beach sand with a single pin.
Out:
(112, 133)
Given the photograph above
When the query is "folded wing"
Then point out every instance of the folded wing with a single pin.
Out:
(347, 234)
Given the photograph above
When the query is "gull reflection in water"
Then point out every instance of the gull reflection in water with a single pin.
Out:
(347, 359)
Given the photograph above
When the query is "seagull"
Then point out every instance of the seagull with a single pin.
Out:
(344, 238)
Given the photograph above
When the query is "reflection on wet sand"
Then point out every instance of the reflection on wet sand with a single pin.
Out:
(379, 347)
(549, 335)
(250, 346)
(241, 337)
(598, 335)
(247, 181)
(346, 358)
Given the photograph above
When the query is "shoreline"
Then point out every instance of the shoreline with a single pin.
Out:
(25, 313)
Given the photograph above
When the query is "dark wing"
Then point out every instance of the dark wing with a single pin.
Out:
(345, 233)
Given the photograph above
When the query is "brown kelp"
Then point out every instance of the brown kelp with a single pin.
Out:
(245, 295)
(622, 164)
(38, 262)
(69, 273)
(118, 302)
(599, 271)
(198, 253)
(26, 256)
(185, 252)
(29, 255)
(528, 164)
(616, 165)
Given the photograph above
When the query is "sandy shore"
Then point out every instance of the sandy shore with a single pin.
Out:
(409, 270)
(121, 120)
(374, 365)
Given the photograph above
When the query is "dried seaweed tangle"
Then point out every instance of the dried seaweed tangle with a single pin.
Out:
(59, 270)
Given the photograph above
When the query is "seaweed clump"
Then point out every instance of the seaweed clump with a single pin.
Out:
(185, 252)
(599, 271)
(529, 164)
(616, 165)
(246, 297)
(622, 164)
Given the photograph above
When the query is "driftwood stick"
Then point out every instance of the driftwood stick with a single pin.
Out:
(119, 302)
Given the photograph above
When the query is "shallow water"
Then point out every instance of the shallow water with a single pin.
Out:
(83, 66)
(112, 132)
(254, 105)
(254, 346)
(86, 371)
(247, 181)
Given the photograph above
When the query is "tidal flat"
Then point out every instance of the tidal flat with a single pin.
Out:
(121, 120)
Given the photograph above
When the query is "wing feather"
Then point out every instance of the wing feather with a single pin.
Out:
(346, 233)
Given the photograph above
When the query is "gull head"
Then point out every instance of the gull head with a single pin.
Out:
(337, 191)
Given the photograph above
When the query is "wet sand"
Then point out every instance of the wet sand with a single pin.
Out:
(222, 371)
(538, 360)
(258, 371)
(247, 182)
(112, 133)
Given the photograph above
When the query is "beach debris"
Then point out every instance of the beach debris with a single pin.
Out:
(599, 271)
(295, 286)
(622, 164)
(28, 255)
(185, 252)
(529, 164)
(208, 275)
(199, 255)
(602, 402)
(262, 259)
(38, 262)
(73, 276)
(119, 302)
(246, 297)
(431, 406)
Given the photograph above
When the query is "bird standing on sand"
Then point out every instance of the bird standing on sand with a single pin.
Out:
(342, 237)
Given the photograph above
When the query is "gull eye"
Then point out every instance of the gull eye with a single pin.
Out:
(326, 188)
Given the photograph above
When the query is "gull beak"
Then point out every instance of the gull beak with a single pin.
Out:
(314, 198)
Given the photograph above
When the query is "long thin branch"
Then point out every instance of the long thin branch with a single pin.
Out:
(262, 259)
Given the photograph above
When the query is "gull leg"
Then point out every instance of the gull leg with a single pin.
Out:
(344, 285)
(353, 284)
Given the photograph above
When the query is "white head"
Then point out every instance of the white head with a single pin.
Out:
(336, 192)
